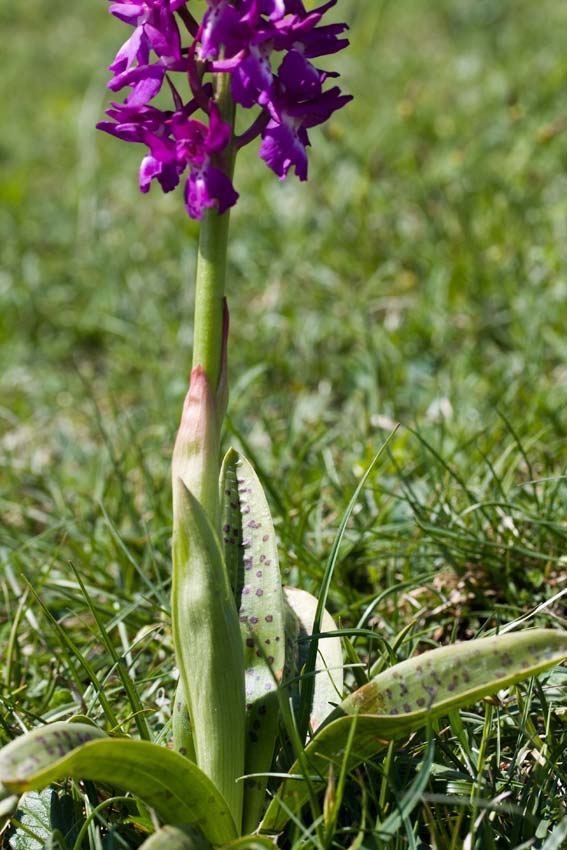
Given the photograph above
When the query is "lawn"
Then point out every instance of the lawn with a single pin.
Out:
(419, 278)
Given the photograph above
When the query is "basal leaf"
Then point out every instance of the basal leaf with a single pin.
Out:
(251, 556)
(34, 814)
(329, 662)
(208, 649)
(404, 697)
(452, 676)
(179, 792)
(36, 751)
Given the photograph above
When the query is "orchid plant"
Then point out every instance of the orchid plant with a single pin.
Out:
(261, 688)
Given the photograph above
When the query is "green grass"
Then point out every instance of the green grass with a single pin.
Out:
(420, 277)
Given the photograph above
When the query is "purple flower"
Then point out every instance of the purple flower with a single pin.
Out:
(220, 25)
(252, 80)
(177, 141)
(155, 30)
(264, 45)
(196, 144)
(300, 103)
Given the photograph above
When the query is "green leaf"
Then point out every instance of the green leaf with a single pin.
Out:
(176, 838)
(34, 813)
(182, 733)
(179, 792)
(329, 661)
(251, 556)
(189, 838)
(405, 697)
(453, 676)
(67, 816)
(208, 649)
(251, 842)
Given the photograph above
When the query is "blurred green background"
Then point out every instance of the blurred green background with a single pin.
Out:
(419, 277)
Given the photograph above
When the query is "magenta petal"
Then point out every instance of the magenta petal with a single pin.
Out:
(128, 12)
(128, 53)
(219, 22)
(133, 76)
(281, 149)
(150, 167)
(126, 132)
(253, 81)
(166, 173)
(162, 149)
(145, 90)
(301, 81)
(208, 187)
(275, 9)
(219, 131)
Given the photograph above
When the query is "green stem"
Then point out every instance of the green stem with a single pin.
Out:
(211, 262)
(209, 294)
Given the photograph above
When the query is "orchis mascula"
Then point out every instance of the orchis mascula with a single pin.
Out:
(264, 45)
(260, 668)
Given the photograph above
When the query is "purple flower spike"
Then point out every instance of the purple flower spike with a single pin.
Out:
(241, 38)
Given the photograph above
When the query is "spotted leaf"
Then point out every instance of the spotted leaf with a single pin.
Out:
(175, 788)
(251, 556)
(404, 697)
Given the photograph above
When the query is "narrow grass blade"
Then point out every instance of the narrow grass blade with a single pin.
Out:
(311, 660)
(179, 792)
(557, 839)
(407, 696)
(128, 684)
(70, 650)
(328, 687)
(208, 649)
(251, 556)
(411, 798)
